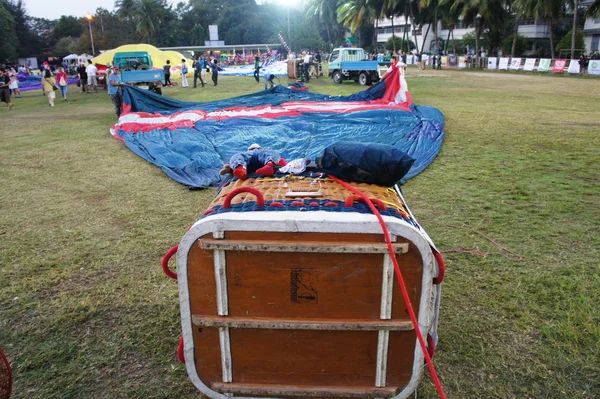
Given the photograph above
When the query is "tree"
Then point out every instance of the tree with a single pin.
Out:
(67, 26)
(395, 42)
(594, 9)
(483, 15)
(148, 15)
(515, 46)
(323, 12)
(575, 9)
(64, 46)
(9, 42)
(570, 42)
(126, 9)
(355, 13)
(197, 35)
(29, 42)
(548, 10)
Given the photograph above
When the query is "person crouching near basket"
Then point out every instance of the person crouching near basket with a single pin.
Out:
(255, 160)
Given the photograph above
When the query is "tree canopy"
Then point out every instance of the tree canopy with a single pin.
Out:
(320, 24)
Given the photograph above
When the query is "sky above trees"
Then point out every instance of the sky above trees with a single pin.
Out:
(55, 8)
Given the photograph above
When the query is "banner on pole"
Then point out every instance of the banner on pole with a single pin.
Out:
(444, 60)
(515, 64)
(462, 62)
(452, 61)
(594, 67)
(492, 62)
(503, 63)
(559, 66)
(544, 65)
(573, 66)
(529, 64)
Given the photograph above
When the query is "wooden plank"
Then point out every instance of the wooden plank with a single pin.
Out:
(225, 354)
(221, 279)
(304, 391)
(302, 324)
(382, 359)
(306, 246)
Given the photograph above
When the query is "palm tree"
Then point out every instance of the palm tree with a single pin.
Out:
(480, 14)
(126, 9)
(148, 15)
(356, 13)
(594, 9)
(324, 13)
(575, 8)
(548, 10)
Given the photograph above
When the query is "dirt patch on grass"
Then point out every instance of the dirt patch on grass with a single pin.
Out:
(431, 75)
(499, 75)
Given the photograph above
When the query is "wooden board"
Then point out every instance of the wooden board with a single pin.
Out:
(299, 288)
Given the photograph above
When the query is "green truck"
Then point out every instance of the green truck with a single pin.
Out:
(136, 69)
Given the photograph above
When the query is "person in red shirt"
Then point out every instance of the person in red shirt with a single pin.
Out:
(61, 79)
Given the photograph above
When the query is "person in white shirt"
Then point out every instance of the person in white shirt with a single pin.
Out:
(92, 80)
(307, 62)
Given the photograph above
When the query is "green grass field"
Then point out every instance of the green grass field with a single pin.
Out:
(86, 312)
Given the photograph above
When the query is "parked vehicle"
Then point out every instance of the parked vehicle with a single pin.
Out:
(352, 64)
(136, 69)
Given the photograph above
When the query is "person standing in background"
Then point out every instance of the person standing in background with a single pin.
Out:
(215, 71)
(319, 64)
(92, 81)
(184, 71)
(198, 71)
(114, 90)
(167, 70)
(61, 78)
(257, 69)
(203, 67)
(4, 90)
(307, 61)
(82, 77)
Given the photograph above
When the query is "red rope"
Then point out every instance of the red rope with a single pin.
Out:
(165, 262)
(180, 355)
(5, 377)
(411, 312)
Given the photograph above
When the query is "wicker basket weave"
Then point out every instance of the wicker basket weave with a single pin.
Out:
(307, 188)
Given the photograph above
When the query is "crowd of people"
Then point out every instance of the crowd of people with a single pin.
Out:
(54, 78)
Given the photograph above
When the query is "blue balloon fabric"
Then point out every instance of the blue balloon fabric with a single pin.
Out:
(190, 142)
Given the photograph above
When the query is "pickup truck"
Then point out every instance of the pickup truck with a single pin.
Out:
(136, 69)
(352, 64)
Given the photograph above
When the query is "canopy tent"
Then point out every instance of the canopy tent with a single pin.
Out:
(190, 141)
(71, 57)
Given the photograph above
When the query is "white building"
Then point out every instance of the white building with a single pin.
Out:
(591, 32)
(528, 28)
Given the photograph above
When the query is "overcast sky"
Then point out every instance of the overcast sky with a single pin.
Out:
(53, 9)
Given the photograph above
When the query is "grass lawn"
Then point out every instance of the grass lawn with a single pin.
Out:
(86, 312)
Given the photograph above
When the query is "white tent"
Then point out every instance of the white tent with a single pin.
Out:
(82, 58)
(71, 57)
